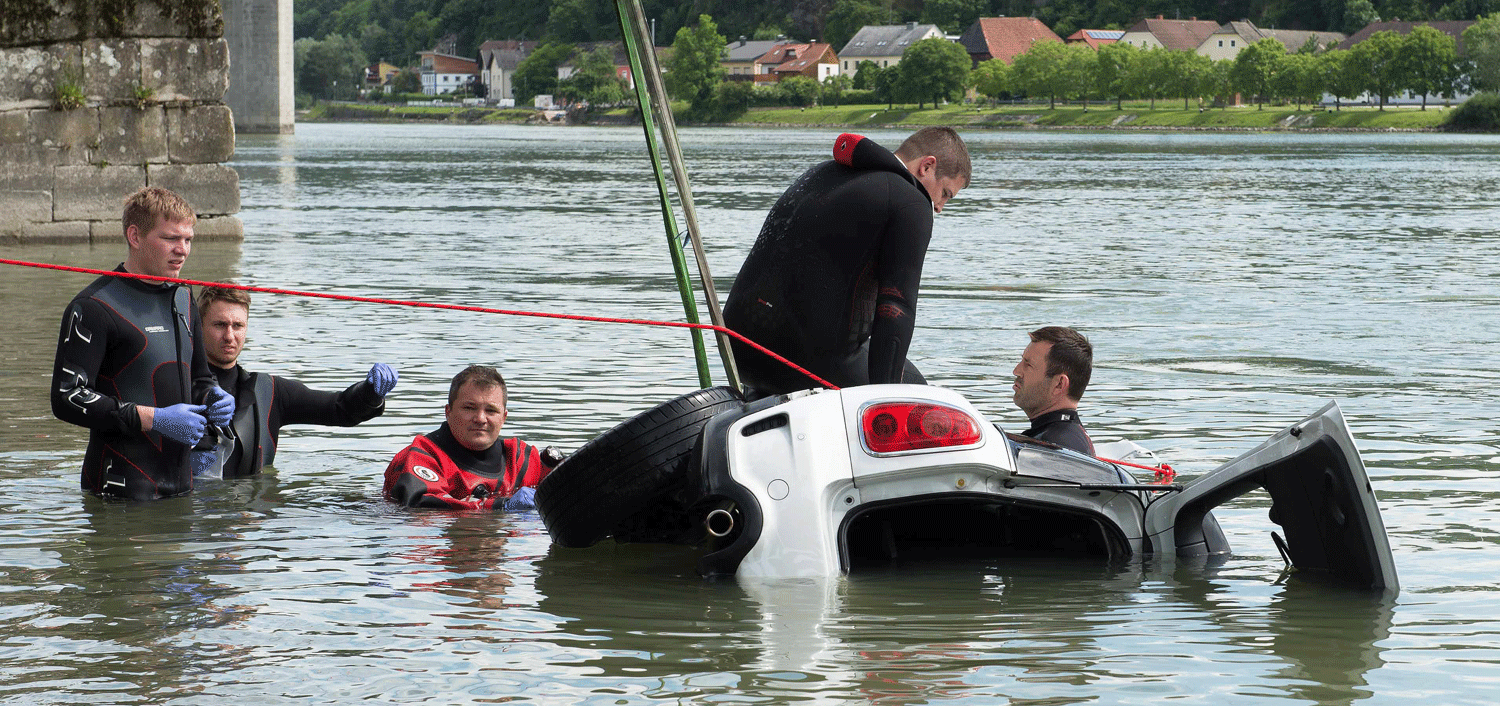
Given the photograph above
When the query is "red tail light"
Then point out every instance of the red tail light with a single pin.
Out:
(907, 426)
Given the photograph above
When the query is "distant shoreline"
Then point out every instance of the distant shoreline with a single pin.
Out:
(1133, 118)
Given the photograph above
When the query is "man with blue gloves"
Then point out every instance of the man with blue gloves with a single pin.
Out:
(266, 403)
(130, 363)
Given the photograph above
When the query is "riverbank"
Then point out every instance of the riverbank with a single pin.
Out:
(1134, 115)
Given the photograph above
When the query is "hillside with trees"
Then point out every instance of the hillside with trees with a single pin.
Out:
(394, 30)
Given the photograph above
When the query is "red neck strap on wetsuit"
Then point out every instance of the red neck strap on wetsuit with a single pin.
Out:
(843, 148)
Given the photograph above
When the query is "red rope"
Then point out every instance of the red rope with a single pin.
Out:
(430, 305)
(1164, 473)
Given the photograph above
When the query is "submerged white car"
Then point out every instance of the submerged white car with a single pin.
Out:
(821, 482)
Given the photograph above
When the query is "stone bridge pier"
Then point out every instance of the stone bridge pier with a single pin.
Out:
(99, 98)
(259, 35)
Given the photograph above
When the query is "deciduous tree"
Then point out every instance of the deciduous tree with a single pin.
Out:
(847, 16)
(1429, 62)
(1255, 69)
(594, 80)
(934, 68)
(1344, 75)
(1300, 78)
(865, 73)
(992, 78)
(1482, 44)
(953, 16)
(1380, 57)
(831, 91)
(537, 73)
(1114, 66)
(1049, 69)
(694, 70)
(332, 68)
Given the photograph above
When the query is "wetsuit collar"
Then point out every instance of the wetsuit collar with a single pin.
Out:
(1055, 416)
(229, 378)
(865, 154)
(486, 461)
(141, 284)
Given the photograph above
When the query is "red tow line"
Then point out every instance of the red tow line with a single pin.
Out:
(1164, 473)
(431, 305)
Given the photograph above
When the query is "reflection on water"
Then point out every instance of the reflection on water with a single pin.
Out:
(1230, 284)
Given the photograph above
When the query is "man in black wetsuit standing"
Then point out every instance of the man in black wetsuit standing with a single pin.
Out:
(831, 282)
(1050, 379)
(266, 403)
(130, 364)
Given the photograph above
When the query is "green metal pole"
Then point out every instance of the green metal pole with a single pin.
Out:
(658, 91)
(679, 262)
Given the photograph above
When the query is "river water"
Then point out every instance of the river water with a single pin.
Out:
(1231, 283)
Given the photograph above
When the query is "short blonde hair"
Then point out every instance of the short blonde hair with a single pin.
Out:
(941, 142)
(146, 208)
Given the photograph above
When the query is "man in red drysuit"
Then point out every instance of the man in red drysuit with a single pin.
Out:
(465, 464)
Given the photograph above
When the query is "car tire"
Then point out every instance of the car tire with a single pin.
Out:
(627, 469)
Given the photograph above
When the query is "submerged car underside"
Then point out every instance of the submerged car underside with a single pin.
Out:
(818, 483)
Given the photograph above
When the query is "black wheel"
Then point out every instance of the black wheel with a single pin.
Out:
(627, 469)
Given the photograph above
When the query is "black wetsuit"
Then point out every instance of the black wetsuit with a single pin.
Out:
(831, 282)
(126, 342)
(1064, 428)
(263, 404)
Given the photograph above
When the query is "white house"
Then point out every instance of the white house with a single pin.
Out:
(882, 44)
(446, 73)
(497, 67)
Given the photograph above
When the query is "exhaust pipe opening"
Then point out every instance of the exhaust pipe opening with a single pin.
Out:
(719, 522)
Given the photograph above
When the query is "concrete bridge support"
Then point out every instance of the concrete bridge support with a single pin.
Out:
(259, 34)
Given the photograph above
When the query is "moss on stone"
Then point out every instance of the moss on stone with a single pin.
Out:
(21, 20)
(201, 18)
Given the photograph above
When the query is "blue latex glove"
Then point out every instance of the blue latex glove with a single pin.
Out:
(183, 423)
(205, 462)
(523, 499)
(383, 378)
(220, 407)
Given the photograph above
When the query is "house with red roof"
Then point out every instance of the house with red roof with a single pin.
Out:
(1095, 38)
(1178, 35)
(1004, 38)
(814, 60)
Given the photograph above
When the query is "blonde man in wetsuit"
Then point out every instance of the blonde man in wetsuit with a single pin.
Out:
(130, 363)
(831, 282)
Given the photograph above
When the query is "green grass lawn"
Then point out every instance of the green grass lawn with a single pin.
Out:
(415, 113)
(1136, 114)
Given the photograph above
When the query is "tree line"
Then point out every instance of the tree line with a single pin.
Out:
(395, 30)
(934, 70)
(1424, 62)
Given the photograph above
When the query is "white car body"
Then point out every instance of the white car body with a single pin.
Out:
(791, 479)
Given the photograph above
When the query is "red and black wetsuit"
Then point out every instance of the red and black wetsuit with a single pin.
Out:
(437, 471)
(127, 342)
(831, 282)
(1064, 428)
(263, 404)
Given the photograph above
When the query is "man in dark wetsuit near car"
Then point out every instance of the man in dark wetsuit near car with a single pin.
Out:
(831, 282)
(130, 363)
(465, 464)
(266, 403)
(1050, 379)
